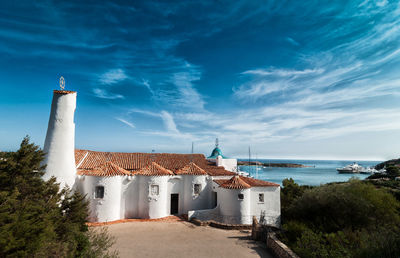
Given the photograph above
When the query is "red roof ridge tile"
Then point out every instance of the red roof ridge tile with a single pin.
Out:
(257, 182)
(154, 169)
(235, 183)
(247, 180)
(191, 169)
(106, 169)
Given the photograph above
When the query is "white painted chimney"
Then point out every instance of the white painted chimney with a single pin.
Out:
(59, 145)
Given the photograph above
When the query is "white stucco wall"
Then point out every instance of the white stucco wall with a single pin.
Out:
(130, 197)
(233, 210)
(271, 205)
(176, 186)
(208, 214)
(228, 164)
(59, 145)
(195, 201)
(149, 205)
(158, 206)
(109, 207)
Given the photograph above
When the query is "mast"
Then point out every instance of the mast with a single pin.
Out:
(256, 167)
(249, 162)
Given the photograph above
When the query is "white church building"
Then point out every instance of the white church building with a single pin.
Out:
(153, 185)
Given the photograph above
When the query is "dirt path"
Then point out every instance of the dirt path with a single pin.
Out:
(182, 239)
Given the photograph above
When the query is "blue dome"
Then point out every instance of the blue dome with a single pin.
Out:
(215, 153)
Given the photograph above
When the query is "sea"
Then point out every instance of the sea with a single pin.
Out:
(318, 171)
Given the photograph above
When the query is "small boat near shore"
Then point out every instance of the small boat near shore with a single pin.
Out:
(356, 169)
(368, 170)
(350, 169)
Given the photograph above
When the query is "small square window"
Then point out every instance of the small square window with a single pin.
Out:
(261, 197)
(196, 188)
(99, 192)
(240, 196)
(155, 190)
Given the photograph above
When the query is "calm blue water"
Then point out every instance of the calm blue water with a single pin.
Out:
(321, 172)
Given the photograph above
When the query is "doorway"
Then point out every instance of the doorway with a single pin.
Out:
(174, 203)
(215, 199)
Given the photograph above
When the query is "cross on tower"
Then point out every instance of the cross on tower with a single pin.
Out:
(62, 83)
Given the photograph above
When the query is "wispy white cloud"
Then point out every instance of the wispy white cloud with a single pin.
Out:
(169, 123)
(104, 94)
(146, 83)
(292, 41)
(178, 90)
(189, 96)
(143, 112)
(125, 122)
(267, 81)
(112, 76)
(282, 72)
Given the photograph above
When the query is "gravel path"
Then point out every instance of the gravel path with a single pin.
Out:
(182, 239)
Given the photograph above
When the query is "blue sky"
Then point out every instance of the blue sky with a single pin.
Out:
(292, 79)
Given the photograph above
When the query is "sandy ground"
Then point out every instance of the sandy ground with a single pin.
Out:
(182, 239)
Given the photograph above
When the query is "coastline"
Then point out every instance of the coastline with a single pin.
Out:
(277, 165)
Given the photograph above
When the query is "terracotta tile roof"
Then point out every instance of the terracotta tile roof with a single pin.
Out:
(237, 182)
(135, 161)
(106, 169)
(154, 170)
(79, 155)
(257, 183)
(191, 169)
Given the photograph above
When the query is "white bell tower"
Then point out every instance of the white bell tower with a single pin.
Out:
(59, 145)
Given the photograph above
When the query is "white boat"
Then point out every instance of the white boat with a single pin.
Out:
(368, 170)
(350, 169)
(382, 171)
(243, 173)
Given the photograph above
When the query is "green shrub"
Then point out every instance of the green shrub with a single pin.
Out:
(353, 219)
(36, 218)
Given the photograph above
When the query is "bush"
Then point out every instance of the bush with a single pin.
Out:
(290, 193)
(38, 219)
(352, 219)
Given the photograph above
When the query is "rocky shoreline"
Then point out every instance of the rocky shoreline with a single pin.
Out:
(277, 165)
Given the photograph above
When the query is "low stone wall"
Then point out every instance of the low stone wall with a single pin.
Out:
(278, 248)
(267, 233)
(220, 225)
(205, 215)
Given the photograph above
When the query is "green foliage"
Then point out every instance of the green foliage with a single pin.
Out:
(37, 219)
(289, 193)
(353, 219)
(388, 163)
(393, 171)
(392, 186)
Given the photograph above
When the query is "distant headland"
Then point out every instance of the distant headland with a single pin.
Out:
(279, 165)
(392, 162)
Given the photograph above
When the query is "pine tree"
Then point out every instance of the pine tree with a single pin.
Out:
(37, 219)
